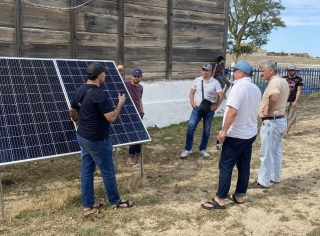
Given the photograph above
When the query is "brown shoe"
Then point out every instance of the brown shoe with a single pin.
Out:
(257, 185)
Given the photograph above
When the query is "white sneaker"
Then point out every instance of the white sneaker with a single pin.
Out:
(185, 153)
(205, 153)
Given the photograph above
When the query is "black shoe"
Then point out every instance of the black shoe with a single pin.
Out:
(271, 181)
(257, 185)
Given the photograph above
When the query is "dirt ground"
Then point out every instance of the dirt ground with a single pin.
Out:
(43, 198)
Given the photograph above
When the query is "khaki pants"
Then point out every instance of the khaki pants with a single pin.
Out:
(291, 114)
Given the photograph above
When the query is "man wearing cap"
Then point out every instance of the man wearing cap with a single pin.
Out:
(239, 131)
(135, 90)
(295, 86)
(272, 112)
(218, 73)
(204, 85)
(92, 113)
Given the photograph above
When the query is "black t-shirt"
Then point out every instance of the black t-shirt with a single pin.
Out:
(92, 124)
(293, 86)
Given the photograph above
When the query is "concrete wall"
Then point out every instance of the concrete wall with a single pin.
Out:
(168, 103)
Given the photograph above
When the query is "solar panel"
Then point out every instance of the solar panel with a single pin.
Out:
(34, 108)
(34, 119)
(128, 128)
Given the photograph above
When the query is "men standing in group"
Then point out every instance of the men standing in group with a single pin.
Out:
(218, 73)
(93, 117)
(239, 131)
(272, 112)
(295, 86)
(136, 90)
(202, 86)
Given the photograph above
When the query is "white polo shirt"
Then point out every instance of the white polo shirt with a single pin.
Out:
(208, 86)
(244, 96)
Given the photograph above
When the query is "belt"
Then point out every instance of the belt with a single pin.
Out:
(272, 117)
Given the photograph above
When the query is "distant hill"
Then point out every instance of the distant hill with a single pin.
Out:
(281, 60)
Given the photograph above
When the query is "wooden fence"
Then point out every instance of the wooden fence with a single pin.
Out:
(166, 39)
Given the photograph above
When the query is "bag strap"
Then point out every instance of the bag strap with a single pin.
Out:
(202, 89)
(82, 97)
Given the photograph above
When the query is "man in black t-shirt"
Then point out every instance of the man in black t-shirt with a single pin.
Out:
(93, 117)
(295, 86)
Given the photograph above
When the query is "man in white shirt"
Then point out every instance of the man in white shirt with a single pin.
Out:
(239, 131)
(202, 87)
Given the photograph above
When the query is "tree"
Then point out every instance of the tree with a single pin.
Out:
(251, 21)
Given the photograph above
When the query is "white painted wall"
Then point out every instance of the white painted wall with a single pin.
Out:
(168, 103)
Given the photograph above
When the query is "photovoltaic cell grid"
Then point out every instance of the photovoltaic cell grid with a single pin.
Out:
(128, 128)
(34, 111)
(34, 117)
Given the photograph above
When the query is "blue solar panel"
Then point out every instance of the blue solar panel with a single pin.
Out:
(34, 120)
(128, 127)
(34, 111)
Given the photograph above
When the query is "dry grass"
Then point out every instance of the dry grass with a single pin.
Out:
(43, 198)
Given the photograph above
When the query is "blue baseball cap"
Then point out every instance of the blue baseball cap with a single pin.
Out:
(137, 71)
(244, 66)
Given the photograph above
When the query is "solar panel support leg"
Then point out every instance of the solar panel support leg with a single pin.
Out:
(141, 164)
(116, 159)
(1, 199)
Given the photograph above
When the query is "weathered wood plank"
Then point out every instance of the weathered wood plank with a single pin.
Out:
(95, 39)
(7, 35)
(121, 32)
(46, 51)
(18, 28)
(196, 67)
(197, 29)
(149, 12)
(105, 7)
(194, 16)
(7, 15)
(50, 19)
(197, 42)
(195, 55)
(144, 66)
(7, 49)
(213, 6)
(101, 24)
(97, 53)
(151, 27)
(153, 54)
(145, 41)
(73, 29)
(155, 3)
(169, 40)
(39, 36)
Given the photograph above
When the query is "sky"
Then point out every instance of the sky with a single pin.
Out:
(302, 34)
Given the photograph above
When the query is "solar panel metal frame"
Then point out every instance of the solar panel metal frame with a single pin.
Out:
(67, 100)
(42, 157)
(105, 84)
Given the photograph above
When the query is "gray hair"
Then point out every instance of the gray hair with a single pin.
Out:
(268, 64)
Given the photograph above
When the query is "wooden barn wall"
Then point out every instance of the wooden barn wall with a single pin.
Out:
(198, 33)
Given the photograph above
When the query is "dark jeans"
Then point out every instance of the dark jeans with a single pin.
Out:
(134, 149)
(235, 151)
(194, 120)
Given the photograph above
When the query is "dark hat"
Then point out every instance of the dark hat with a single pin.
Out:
(137, 71)
(95, 69)
(220, 58)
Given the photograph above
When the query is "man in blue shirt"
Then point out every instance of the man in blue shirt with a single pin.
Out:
(93, 118)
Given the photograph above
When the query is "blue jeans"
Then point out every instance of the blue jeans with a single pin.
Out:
(238, 152)
(97, 153)
(271, 134)
(194, 120)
